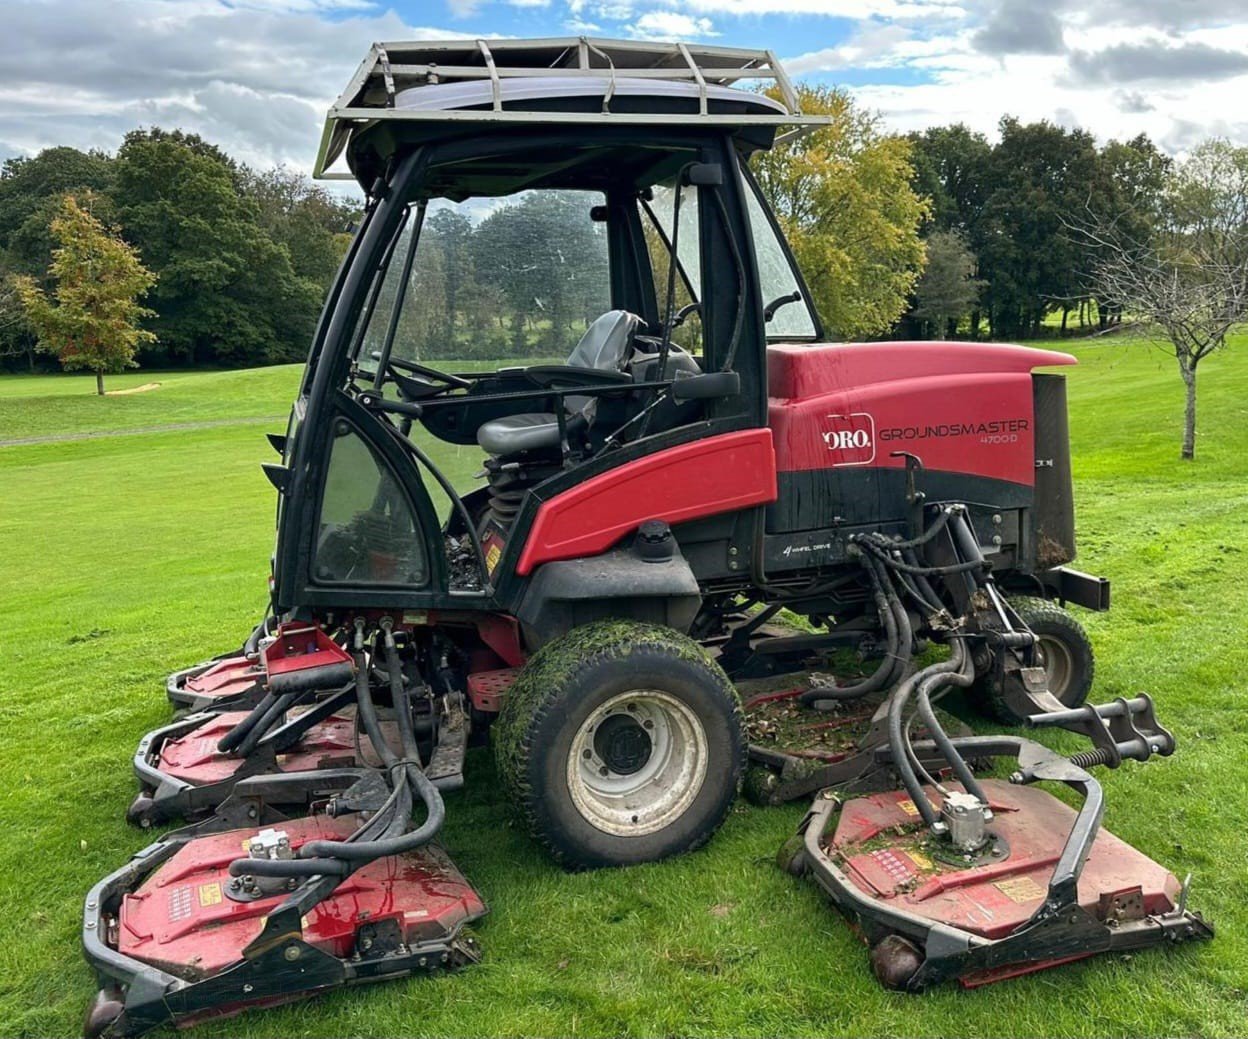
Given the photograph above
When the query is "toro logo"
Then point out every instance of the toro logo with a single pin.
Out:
(850, 438)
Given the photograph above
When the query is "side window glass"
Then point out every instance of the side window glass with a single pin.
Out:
(367, 533)
(657, 225)
(776, 277)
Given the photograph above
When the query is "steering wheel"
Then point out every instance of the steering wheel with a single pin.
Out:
(427, 374)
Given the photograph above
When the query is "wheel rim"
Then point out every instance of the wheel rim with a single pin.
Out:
(637, 763)
(1057, 662)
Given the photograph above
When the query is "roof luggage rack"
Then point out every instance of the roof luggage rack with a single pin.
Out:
(499, 81)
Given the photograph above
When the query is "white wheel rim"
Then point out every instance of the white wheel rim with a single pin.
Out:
(1058, 665)
(637, 763)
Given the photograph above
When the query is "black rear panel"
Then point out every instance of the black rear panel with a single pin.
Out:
(1054, 515)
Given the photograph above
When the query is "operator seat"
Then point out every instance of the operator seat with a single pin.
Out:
(605, 346)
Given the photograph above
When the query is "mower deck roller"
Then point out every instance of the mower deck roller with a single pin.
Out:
(703, 464)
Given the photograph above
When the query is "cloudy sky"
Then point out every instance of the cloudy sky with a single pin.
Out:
(256, 75)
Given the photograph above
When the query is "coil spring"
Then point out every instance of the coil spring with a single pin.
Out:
(1091, 758)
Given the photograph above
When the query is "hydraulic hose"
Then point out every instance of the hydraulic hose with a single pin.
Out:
(927, 571)
(270, 717)
(383, 834)
(905, 632)
(237, 734)
(962, 675)
(928, 593)
(898, 743)
(936, 526)
(826, 699)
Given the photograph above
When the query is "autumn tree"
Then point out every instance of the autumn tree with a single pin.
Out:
(91, 318)
(843, 195)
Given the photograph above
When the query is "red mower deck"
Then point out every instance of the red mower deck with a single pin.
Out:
(230, 681)
(182, 921)
(183, 773)
(886, 852)
(177, 944)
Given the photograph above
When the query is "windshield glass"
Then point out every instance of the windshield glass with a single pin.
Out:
(516, 278)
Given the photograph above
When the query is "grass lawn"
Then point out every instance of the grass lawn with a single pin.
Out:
(129, 556)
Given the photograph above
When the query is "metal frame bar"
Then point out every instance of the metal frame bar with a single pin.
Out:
(391, 67)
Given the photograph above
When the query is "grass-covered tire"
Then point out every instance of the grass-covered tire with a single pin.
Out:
(1064, 649)
(621, 743)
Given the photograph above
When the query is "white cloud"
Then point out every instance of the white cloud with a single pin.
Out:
(255, 76)
(857, 10)
(670, 25)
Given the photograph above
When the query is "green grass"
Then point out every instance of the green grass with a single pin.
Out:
(130, 556)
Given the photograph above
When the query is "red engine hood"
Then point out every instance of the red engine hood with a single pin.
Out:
(799, 371)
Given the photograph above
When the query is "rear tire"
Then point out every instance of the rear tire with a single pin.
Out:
(621, 743)
(1064, 650)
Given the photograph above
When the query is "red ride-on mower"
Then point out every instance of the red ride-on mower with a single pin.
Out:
(702, 466)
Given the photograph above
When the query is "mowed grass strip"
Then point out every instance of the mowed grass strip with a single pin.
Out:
(128, 557)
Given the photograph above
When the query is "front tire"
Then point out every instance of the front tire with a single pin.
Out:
(621, 743)
(1064, 650)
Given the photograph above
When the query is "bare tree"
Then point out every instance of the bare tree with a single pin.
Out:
(1183, 272)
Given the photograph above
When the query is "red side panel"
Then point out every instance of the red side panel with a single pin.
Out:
(720, 474)
(960, 407)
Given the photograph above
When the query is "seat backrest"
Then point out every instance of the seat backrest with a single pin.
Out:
(605, 344)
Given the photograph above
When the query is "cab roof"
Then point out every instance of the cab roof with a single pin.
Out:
(429, 89)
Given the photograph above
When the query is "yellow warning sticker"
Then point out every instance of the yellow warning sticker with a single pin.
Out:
(416, 617)
(209, 894)
(492, 555)
(909, 807)
(920, 860)
(1020, 889)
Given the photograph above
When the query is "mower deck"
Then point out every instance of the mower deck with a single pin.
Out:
(182, 773)
(888, 854)
(1049, 886)
(172, 939)
(231, 681)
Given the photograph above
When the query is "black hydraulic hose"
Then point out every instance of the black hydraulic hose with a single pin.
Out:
(921, 582)
(909, 584)
(270, 718)
(252, 646)
(927, 571)
(897, 737)
(367, 711)
(368, 850)
(237, 734)
(962, 675)
(818, 698)
(390, 844)
(937, 525)
(399, 696)
(288, 868)
(905, 632)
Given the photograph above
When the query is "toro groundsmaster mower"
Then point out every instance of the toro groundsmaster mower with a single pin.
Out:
(705, 544)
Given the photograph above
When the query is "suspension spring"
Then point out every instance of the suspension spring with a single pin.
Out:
(1092, 758)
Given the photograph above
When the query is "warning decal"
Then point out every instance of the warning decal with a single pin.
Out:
(1020, 889)
(209, 895)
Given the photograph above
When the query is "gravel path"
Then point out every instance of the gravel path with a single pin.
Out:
(172, 427)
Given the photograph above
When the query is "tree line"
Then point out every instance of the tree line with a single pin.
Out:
(241, 258)
(1001, 255)
(938, 234)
